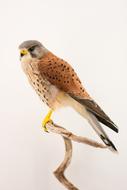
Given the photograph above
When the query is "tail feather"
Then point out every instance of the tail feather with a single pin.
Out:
(95, 109)
(92, 119)
(99, 130)
(108, 143)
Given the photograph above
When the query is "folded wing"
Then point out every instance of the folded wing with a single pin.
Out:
(94, 108)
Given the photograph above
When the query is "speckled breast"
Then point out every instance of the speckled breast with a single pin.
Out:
(46, 91)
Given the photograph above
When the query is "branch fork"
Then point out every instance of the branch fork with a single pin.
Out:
(68, 137)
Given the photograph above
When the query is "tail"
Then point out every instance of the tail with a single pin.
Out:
(99, 130)
(95, 124)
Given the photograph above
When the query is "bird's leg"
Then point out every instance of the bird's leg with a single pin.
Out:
(47, 119)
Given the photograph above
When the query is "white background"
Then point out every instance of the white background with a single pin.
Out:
(92, 36)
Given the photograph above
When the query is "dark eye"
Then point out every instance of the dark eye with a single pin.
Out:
(32, 49)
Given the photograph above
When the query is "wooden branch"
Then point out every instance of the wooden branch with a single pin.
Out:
(68, 136)
(59, 172)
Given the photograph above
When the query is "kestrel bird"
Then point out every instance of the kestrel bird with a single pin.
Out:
(57, 84)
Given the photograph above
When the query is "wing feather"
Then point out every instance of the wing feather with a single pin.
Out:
(59, 73)
(95, 109)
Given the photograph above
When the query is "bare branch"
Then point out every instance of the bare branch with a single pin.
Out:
(59, 173)
(68, 136)
(65, 133)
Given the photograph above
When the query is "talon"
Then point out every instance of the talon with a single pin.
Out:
(45, 129)
(46, 120)
(44, 125)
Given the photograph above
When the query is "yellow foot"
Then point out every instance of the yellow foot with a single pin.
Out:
(46, 120)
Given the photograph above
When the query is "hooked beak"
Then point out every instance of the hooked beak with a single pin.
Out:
(23, 52)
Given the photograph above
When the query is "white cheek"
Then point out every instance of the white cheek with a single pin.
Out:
(26, 58)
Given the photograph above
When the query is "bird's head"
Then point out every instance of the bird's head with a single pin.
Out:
(30, 50)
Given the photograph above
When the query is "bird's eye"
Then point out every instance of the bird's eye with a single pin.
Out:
(32, 48)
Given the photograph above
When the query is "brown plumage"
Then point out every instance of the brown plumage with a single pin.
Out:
(57, 84)
(61, 74)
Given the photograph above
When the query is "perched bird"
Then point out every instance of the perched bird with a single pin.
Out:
(57, 84)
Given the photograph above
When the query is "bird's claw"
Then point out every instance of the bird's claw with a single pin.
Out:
(46, 120)
(44, 124)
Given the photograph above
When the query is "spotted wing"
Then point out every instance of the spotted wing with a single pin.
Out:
(59, 73)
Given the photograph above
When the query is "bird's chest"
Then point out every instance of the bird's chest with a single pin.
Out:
(46, 91)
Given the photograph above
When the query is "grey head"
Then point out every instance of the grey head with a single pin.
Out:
(33, 47)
